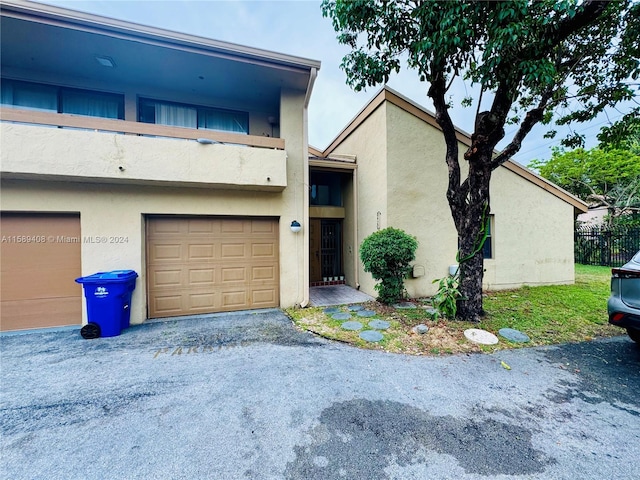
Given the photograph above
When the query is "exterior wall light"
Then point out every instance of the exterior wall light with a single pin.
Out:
(295, 226)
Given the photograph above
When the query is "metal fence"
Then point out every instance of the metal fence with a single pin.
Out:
(604, 246)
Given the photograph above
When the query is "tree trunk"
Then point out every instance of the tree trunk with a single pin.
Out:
(471, 226)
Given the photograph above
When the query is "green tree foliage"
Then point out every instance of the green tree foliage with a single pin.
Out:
(387, 254)
(527, 58)
(624, 134)
(602, 177)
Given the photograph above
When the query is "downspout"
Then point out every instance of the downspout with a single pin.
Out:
(305, 196)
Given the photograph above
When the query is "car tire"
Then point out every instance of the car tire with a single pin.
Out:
(634, 334)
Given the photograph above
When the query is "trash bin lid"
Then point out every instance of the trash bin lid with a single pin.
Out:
(114, 276)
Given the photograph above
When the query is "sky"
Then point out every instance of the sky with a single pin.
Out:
(297, 27)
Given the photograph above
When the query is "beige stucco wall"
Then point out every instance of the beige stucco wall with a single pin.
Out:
(533, 229)
(370, 144)
(115, 210)
(91, 156)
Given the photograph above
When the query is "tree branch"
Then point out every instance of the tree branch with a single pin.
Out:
(437, 92)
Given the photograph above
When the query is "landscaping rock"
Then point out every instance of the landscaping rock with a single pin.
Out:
(331, 310)
(351, 326)
(482, 337)
(355, 308)
(341, 316)
(421, 329)
(371, 336)
(514, 335)
(379, 324)
(366, 313)
(404, 305)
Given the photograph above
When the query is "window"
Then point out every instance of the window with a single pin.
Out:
(192, 116)
(487, 248)
(325, 189)
(49, 98)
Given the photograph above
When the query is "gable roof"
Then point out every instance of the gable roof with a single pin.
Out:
(387, 94)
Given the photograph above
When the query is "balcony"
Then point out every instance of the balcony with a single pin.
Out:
(90, 149)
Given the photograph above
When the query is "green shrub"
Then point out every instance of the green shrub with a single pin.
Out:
(387, 254)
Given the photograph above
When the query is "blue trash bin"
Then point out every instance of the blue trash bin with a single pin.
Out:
(108, 296)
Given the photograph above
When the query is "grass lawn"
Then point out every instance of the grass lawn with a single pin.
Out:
(548, 315)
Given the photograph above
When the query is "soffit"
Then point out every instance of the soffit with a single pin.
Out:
(51, 46)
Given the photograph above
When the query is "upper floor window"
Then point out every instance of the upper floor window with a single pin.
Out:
(49, 98)
(192, 116)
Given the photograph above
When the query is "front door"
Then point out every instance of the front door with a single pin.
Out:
(325, 249)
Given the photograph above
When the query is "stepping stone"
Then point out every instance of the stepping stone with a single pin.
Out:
(371, 336)
(331, 310)
(351, 326)
(421, 329)
(404, 305)
(514, 335)
(366, 313)
(355, 308)
(379, 324)
(482, 337)
(341, 316)
(430, 310)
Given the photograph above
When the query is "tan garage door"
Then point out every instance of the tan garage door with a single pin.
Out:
(40, 259)
(204, 265)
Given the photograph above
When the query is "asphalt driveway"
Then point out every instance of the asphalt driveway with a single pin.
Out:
(249, 396)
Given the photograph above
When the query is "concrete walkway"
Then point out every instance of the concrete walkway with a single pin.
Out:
(336, 295)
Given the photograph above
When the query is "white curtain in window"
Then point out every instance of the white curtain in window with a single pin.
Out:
(93, 106)
(176, 115)
(32, 97)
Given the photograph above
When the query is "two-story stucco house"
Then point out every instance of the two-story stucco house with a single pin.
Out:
(130, 147)
(126, 147)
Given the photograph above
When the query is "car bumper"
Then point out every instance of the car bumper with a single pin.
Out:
(622, 315)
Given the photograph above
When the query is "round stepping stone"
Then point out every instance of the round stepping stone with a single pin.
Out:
(366, 313)
(404, 305)
(351, 326)
(341, 316)
(355, 308)
(331, 310)
(514, 335)
(429, 310)
(421, 329)
(379, 324)
(482, 337)
(371, 336)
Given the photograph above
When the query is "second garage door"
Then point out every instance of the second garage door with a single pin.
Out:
(204, 265)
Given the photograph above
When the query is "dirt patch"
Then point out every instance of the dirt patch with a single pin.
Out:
(442, 337)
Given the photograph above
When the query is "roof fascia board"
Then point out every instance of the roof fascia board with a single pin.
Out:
(463, 137)
(356, 121)
(61, 17)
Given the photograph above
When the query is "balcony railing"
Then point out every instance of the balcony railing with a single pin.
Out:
(117, 151)
(135, 128)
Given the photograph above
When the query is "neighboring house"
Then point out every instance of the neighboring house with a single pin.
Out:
(593, 218)
(131, 147)
(387, 168)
